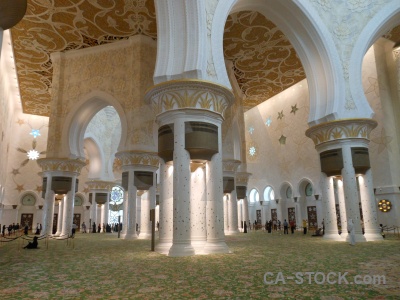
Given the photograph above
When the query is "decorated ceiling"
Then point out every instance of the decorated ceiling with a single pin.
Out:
(264, 61)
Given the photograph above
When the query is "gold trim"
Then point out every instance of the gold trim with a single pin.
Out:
(341, 129)
(177, 81)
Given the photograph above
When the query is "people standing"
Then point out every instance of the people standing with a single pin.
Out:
(285, 227)
(292, 226)
(83, 227)
(73, 229)
(351, 231)
(94, 227)
(304, 226)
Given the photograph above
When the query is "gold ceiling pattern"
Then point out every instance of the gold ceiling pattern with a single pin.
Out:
(264, 61)
(61, 25)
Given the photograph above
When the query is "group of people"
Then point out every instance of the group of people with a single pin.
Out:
(11, 229)
(106, 227)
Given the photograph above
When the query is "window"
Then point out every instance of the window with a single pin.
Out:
(309, 190)
(116, 203)
(289, 192)
(269, 194)
(254, 196)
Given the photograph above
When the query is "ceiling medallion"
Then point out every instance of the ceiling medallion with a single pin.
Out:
(384, 205)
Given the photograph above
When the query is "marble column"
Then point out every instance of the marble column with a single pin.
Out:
(371, 229)
(329, 208)
(130, 206)
(215, 210)
(351, 192)
(145, 224)
(246, 210)
(181, 241)
(68, 214)
(166, 208)
(198, 209)
(225, 200)
(240, 214)
(60, 216)
(93, 212)
(48, 208)
(342, 209)
(105, 212)
(233, 213)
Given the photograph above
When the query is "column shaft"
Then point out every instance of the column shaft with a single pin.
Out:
(48, 211)
(130, 207)
(145, 224)
(329, 208)
(351, 192)
(181, 241)
(342, 208)
(372, 232)
(198, 210)
(60, 216)
(233, 213)
(166, 208)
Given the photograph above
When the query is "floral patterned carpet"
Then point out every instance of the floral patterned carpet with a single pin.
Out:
(101, 266)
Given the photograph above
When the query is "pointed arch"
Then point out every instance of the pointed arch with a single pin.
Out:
(313, 44)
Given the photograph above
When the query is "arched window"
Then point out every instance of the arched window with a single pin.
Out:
(116, 202)
(289, 192)
(269, 194)
(308, 190)
(254, 195)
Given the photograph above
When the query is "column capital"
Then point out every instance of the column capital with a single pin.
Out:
(189, 93)
(230, 165)
(100, 185)
(61, 165)
(138, 158)
(242, 178)
(341, 130)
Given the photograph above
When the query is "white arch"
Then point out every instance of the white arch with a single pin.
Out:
(282, 190)
(302, 185)
(96, 157)
(387, 18)
(300, 22)
(78, 119)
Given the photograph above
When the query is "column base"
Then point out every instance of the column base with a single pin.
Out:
(198, 246)
(144, 236)
(58, 233)
(216, 247)
(178, 250)
(163, 247)
(332, 237)
(128, 236)
(232, 232)
(373, 237)
(345, 236)
(360, 238)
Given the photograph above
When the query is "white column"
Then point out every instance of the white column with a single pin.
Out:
(48, 208)
(104, 212)
(225, 200)
(233, 213)
(215, 209)
(145, 224)
(60, 216)
(198, 210)
(246, 210)
(130, 206)
(372, 232)
(328, 203)
(68, 214)
(166, 208)
(181, 241)
(93, 212)
(240, 214)
(351, 192)
(342, 208)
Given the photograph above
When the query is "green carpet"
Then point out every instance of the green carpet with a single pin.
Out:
(101, 266)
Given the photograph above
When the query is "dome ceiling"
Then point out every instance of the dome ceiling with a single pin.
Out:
(264, 61)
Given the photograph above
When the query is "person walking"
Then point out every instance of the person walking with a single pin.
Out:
(304, 226)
